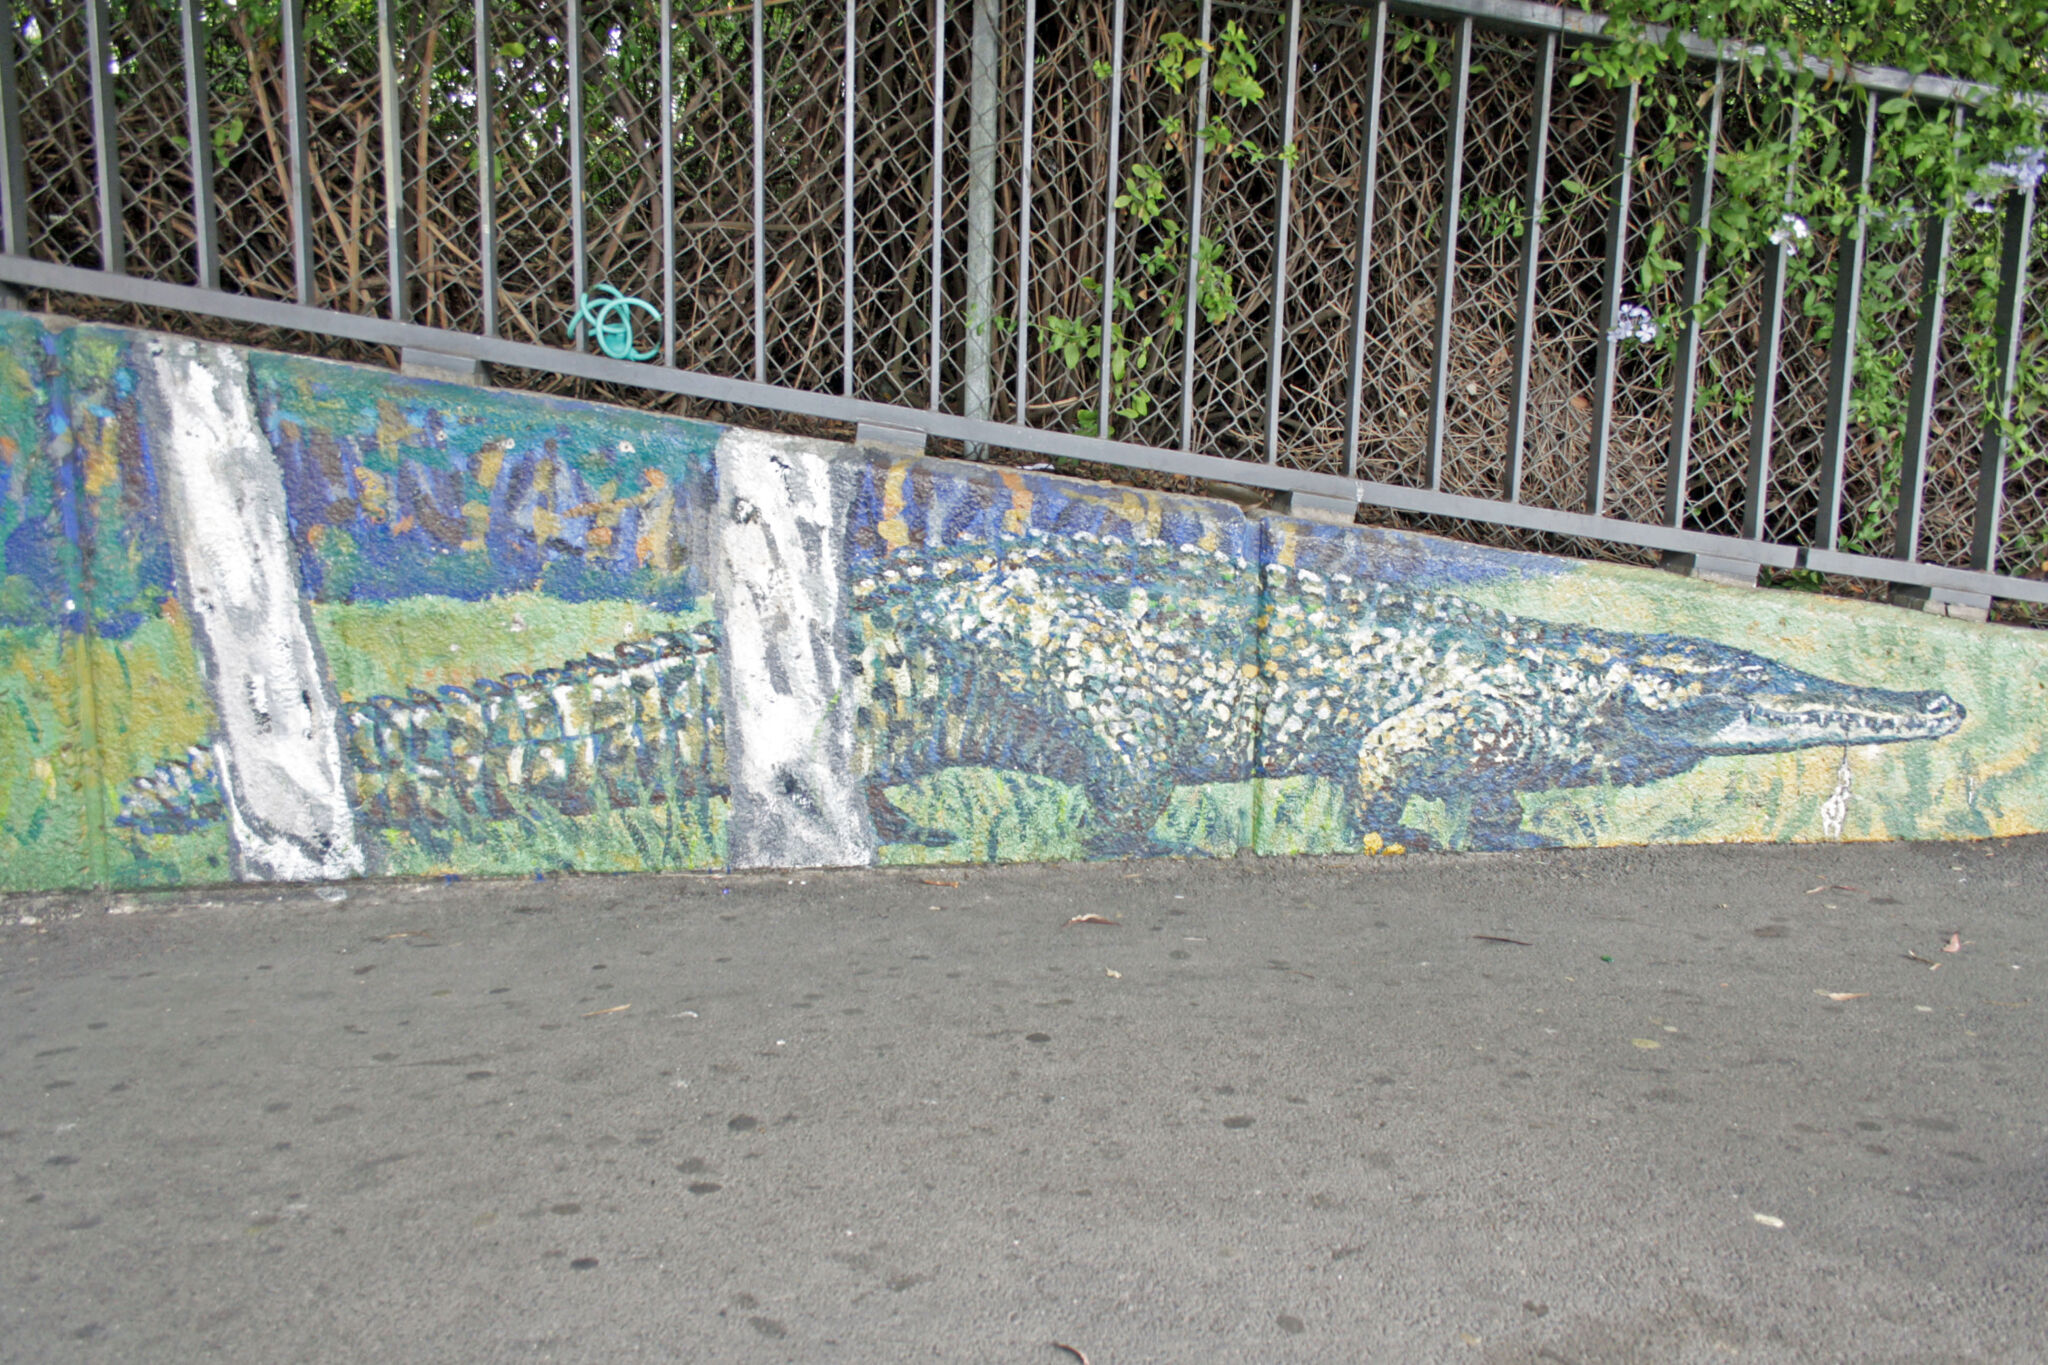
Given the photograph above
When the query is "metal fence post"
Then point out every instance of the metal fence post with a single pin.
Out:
(2006, 331)
(978, 398)
(1770, 345)
(105, 139)
(1610, 302)
(1276, 347)
(1024, 213)
(1105, 393)
(395, 264)
(1851, 254)
(292, 53)
(1686, 363)
(1361, 281)
(1195, 174)
(199, 137)
(1447, 260)
(579, 247)
(13, 161)
(1532, 259)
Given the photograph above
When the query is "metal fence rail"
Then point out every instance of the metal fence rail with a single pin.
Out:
(1393, 276)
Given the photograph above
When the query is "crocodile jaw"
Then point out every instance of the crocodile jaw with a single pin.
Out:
(1778, 721)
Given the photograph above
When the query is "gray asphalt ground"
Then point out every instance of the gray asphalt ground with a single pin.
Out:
(1282, 1110)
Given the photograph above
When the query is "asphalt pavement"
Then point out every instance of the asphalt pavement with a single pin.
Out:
(1671, 1105)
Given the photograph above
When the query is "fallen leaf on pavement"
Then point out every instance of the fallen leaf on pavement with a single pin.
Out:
(1090, 919)
(615, 1009)
(404, 933)
(1839, 996)
(1818, 889)
(1768, 1221)
(1915, 957)
(1954, 944)
(1496, 938)
(1114, 972)
(1074, 1351)
(929, 882)
(1646, 1044)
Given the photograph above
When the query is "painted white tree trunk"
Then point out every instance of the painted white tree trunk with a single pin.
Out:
(789, 748)
(279, 756)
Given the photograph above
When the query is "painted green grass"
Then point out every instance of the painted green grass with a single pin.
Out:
(383, 648)
(77, 724)
(1001, 816)
(542, 839)
(46, 821)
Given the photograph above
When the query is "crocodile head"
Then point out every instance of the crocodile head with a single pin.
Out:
(1703, 701)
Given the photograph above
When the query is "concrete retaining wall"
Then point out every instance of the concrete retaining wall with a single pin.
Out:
(272, 618)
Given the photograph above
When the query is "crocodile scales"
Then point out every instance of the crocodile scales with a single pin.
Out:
(641, 727)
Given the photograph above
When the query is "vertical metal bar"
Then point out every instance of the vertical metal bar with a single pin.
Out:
(1024, 213)
(846, 215)
(1104, 393)
(1283, 210)
(1368, 188)
(1770, 346)
(579, 247)
(1447, 261)
(1850, 255)
(199, 137)
(292, 51)
(984, 76)
(668, 182)
(486, 190)
(760, 204)
(1926, 371)
(1532, 260)
(2005, 329)
(938, 190)
(106, 151)
(13, 157)
(394, 157)
(1610, 302)
(1187, 334)
(1692, 286)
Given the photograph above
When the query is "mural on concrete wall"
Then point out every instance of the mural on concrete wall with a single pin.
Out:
(265, 617)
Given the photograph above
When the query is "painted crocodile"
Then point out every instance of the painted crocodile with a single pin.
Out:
(1102, 654)
(1094, 638)
(639, 728)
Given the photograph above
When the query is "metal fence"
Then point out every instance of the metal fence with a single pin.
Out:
(1392, 277)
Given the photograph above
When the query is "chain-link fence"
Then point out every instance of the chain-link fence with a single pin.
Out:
(1119, 230)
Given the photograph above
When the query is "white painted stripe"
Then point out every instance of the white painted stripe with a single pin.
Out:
(278, 755)
(788, 708)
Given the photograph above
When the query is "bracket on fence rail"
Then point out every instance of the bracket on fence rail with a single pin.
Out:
(1725, 569)
(1315, 507)
(1955, 602)
(416, 363)
(889, 440)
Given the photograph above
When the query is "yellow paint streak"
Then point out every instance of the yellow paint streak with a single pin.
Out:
(489, 462)
(393, 431)
(1141, 512)
(1288, 541)
(894, 533)
(376, 498)
(1017, 520)
(102, 467)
